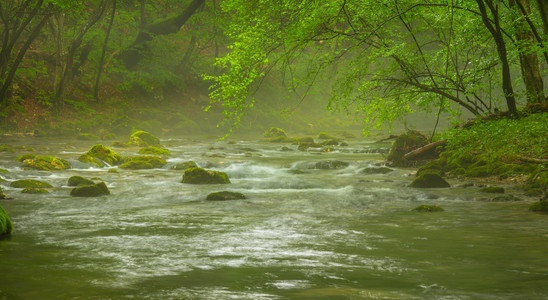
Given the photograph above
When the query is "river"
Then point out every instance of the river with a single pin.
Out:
(302, 232)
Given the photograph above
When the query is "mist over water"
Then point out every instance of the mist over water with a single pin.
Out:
(302, 233)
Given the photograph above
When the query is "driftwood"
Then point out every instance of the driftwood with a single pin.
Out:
(532, 160)
(424, 149)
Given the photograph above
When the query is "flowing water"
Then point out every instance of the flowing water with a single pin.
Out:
(302, 232)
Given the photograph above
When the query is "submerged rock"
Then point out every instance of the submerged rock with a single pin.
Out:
(154, 151)
(34, 191)
(6, 226)
(91, 160)
(325, 136)
(142, 139)
(200, 176)
(225, 195)
(79, 180)
(492, 190)
(93, 190)
(102, 153)
(46, 163)
(377, 170)
(331, 164)
(429, 180)
(184, 165)
(6, 148)
(273, 132)
(30, 183)
(428, 208)
(504, 198)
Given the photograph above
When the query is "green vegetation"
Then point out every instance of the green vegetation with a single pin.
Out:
(34, 191)
(30, 183)
(154, 151)
(94, 190)
(46, 163)
(201, 176)
(143, 162)
(102, 153)
(6, 226)
(79, 180)
(429, 180)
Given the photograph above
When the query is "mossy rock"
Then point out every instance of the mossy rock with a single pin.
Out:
(330, 143)
(201, 176)
(481, 171)
(34, 191)
(325, 136)
(225, 195)
(87, 137)
(79, 181)
(184, 165)
(539, 206)
(85, 158)
(4, 171)
(429, 180)
(46, 163)
(298, 141)
(154, 151)
(433, 166)
(94, 190)
(503, 198)
(30, 183)
(459, 171)
(22, 158)
(331, 164)
(492, 190)
(376, 170)
(428, 208)
(105, 154)
(142, 139)
(279, 139)
(304, 146)
(405, 143)
(6, 148)
(2, 195)
(273, 132)
(133, 162)
(6, 227)
(118, 144)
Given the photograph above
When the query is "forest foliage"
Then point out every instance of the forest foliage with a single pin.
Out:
(378, 60)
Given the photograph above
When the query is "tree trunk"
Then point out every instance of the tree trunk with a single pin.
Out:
(97, 80)
(528, 57)
(496, 33)
(543, 10)
(134, 53)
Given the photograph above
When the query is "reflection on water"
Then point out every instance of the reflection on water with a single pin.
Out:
(302, 232)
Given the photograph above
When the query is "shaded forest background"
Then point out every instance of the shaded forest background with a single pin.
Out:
(114, 66)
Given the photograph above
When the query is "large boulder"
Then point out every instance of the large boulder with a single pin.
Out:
(143, 162)
(429, 180)
(201, 176)
(225, 195)
(30, 183)
(404, 144)
(102, 153)
(94, 190)
(78, 181)
(5, 223)
(46, 163)
(143, 139)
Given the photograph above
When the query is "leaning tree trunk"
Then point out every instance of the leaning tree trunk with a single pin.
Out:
(101, 61)
(543, 9)
(529, 63)
(135, 52)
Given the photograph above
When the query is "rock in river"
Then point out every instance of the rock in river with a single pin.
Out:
(201, 176)
(225, 195)
(93, 190)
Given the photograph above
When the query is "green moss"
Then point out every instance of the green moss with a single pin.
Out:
(298, 141)
(539, 206)
(119, 144)
(428, 208)
(279, 139)
(155, 161)
(22, 158)
(330, 143)
(273, 132)
(78, 181)
(30, 183)
(6, 227)
(483, 171)
(4, 171)
(6, 148)
(34, 191)
(184, 165)
(429, 180)
(225, 195)
(433, 166)
(94, 190)
(201, 176)
(46, 163)
(136, 165)
(325, 136)
(85, 158)
(105, 154)
(113, 170)
(143, 139)
(154, 150)
(459, 171)
(492, 190)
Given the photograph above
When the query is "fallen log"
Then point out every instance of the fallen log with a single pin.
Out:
(424, 149)
(532, 160)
